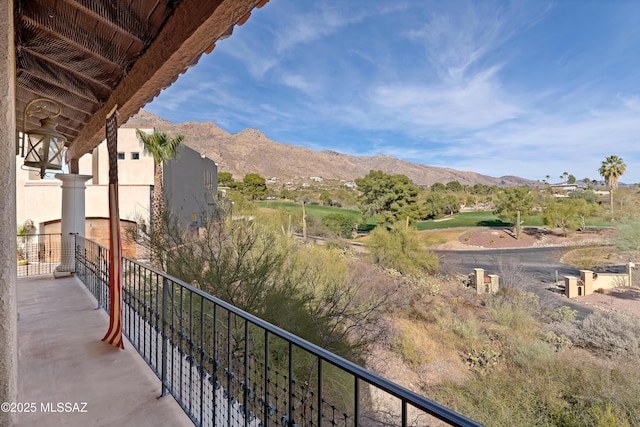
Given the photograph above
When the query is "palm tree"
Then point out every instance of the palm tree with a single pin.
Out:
(161, 147)
(612, 168)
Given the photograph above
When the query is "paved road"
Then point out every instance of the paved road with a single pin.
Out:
(541, 264)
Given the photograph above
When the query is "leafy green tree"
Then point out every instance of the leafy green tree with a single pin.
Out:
(325, 198)
(561, 213)
(287, 194)
(454, 186)
(389, 197)
(162, 147)
(571, 179)
(438, 187)
(225, 179)
(399, 248)
(433, 206)
(611, 170)
(514, 203)
(584, 210)
(479, 192)
(340, 224)
(587, 195)
(254, 186)
(450, 204)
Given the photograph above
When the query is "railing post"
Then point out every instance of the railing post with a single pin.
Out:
(99, 277)
(165, 309)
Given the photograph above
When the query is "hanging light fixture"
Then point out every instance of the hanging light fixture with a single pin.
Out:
(44, 145)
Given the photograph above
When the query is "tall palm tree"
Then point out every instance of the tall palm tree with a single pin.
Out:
(612, 168)
(162, 147)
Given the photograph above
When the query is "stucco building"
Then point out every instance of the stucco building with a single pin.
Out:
(190, 183)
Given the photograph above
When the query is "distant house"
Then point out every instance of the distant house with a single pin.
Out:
(564, 187)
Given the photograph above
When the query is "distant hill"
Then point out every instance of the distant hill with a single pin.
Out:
(250, 151)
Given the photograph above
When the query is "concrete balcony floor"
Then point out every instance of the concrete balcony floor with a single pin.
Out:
(62, 359)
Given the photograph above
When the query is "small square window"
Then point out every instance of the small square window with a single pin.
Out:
(120, 155)
(135, 155)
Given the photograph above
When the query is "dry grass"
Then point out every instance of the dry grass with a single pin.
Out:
(592, 257)
(439, 237)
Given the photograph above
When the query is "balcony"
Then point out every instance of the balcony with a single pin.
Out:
(222, 366)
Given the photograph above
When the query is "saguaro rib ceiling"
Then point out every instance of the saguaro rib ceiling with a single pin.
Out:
(90, 55)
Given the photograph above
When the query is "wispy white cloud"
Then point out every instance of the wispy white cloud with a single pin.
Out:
(517, 87)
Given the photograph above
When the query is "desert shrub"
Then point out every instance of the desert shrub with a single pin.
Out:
(482, 360)
(514, 309)
(525, 352)
(603, 332)
(400, 249)
(563, 314)
(512, 274)
(468, 330)
(340, 224)
(408, 348)
(548, 391)
(588, 258)
(559, 342)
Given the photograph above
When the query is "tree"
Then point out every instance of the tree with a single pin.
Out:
(450, 204)
(587, 195)
(433, 206)
(611, 169)
(562, 213)
(571, 179)
(454, 186)
(340, 224)
(254, 186)
(438, 187)
(584, 210)
(514, 203)
(399, 248)
(389, 197)
(225, 179)
(326, 198)
(162, 147)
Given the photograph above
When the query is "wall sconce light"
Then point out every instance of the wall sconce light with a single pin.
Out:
(44, 145)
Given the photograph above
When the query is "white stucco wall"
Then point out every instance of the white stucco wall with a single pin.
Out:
(40, 199)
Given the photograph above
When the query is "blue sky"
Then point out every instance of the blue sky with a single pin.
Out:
(527, 88)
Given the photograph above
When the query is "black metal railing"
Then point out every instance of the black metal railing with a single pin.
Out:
(226, 367)
(39, 254)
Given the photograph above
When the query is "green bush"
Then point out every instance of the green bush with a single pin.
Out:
(399, 248)
(341, 224)
(514, 309)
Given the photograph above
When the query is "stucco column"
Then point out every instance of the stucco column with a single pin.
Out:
(8, 260)
(72, 218)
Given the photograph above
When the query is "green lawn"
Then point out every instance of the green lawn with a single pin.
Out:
(462, 219)
(313, 211)
(473, 219)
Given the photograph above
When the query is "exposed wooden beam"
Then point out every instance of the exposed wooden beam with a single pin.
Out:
(191, 29)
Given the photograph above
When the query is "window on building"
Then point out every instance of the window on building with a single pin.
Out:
(120, 155)
(135, 155)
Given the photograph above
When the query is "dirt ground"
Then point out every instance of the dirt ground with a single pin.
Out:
(619, 299)
(529, 237)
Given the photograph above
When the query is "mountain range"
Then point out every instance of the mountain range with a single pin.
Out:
(250, 151)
